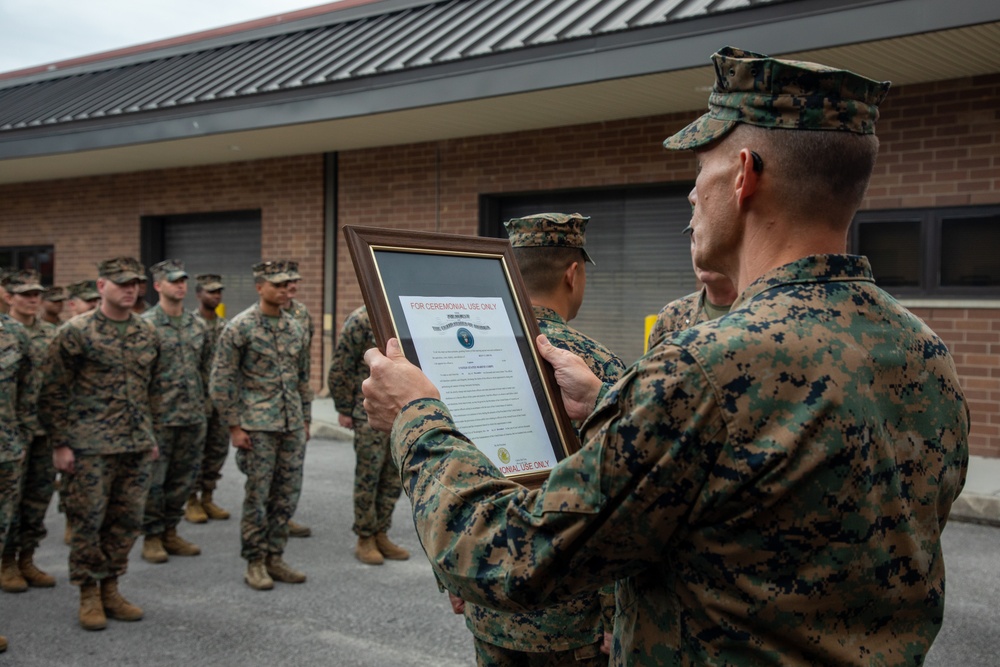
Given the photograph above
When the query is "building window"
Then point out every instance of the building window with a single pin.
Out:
(932, 252)
(41, 258)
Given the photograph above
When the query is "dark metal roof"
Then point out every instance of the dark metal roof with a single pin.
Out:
(414, 37)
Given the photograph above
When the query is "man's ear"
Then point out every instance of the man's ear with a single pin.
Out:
(747, 179)
(571, 275)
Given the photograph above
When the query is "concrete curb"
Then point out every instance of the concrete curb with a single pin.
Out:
(977, 508)
(328, 431)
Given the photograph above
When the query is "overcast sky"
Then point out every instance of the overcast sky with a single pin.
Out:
(36, 32)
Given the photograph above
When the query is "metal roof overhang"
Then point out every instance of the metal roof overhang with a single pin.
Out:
(620, 75)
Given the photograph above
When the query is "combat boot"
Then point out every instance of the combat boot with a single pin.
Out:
(31, 573)
(257, 576)
(298, 530)
(153, 551)
(282, 571)
(3, 643)
(390, 550)
(214, 512)
(175, 545)
(116, 606)
(367, 552)
(194, 512)
(11, 580)
(91, 611)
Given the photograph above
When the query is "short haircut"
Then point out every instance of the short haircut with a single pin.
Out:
(816, 171)
(543, 267)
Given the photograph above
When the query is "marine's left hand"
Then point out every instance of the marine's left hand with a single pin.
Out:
(392, 383)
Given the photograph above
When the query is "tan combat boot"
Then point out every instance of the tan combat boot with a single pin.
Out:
(11, 580)
(175, 545)
(153, 551)
(194, 512)
(91, 611)
(282, 571)
(31, 573)
(298, 530)
(116, 606)
(390, 550)
(367, 552)
(257, 576)
(3, 644)
(214, 512)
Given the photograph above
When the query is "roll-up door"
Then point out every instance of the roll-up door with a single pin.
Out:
(643, 259)
(223, 243)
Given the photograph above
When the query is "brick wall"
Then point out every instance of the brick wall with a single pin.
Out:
(90, 219)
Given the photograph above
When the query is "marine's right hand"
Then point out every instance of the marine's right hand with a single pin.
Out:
(63, 459)
(578, 384)
(240, 438)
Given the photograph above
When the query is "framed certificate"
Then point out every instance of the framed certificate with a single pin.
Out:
(459, 309)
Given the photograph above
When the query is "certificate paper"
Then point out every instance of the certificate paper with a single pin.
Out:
(468, 350)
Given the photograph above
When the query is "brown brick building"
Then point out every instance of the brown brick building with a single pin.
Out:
(451, 117)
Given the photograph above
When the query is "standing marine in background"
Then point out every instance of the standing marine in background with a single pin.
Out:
(83, 297)
(376, 477)
(208, 290)
(181, 418)
(550, 250)
(98, 405)
(37, 482)
(298, 310)
(260, 386)
(53, 299)
(15, 431)
(713, 300)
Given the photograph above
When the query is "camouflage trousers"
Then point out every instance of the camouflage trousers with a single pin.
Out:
(10, 471)
(491, 655)
(34, 492)
(376, 481)
(273, 466)
(216, 450)
(174, 475)
(105, 498)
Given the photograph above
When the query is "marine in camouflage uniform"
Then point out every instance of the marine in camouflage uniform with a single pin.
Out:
(550, 250)
(37, 482)
(182, 387)
(769, 487)
(15, 406)
(97, 404)
(713, 300)
(200, 510)
(301, 314)
(376, 478)
(83, 297)
(260, 385)
(53, 299)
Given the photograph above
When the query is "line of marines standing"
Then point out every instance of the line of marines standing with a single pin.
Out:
(135, 414)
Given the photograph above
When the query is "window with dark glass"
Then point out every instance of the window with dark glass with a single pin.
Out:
(945, 252)
(39, 258)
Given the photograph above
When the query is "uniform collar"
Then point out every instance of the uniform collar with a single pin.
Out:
(811, 269)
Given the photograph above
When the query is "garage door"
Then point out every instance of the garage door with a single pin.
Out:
(226, 243)
(643, 259)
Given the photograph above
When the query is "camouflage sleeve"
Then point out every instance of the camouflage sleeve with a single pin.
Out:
(224, 382)
(205, 365)
(305, 391)
(654, 440)
(58, 376)
(155, 384)
(345, 367)
(28, 385)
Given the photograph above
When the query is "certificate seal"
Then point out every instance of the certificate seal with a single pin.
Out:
(465, 338)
